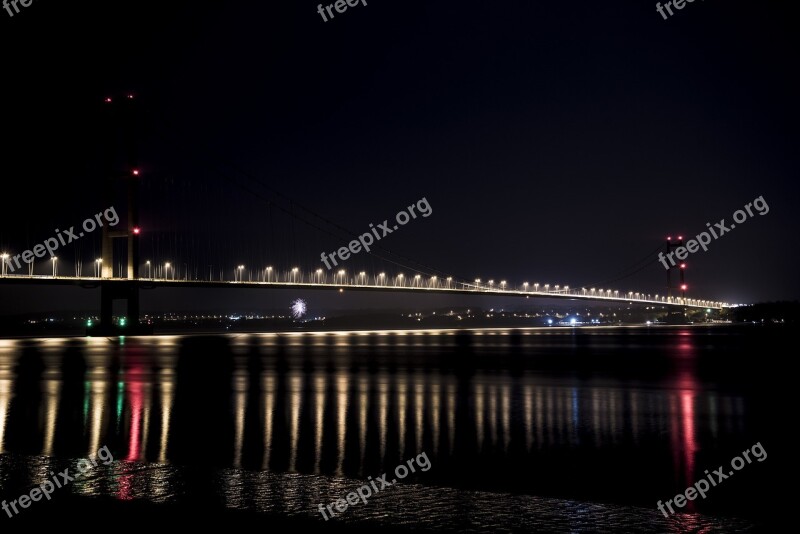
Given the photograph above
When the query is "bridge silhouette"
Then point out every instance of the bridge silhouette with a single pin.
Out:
(407, 276)
(379, 282)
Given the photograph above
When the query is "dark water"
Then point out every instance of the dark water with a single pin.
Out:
(524, 430)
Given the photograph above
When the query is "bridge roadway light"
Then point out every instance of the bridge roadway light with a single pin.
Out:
(166, 270)
(3, 258)
(525, 286)
(449, 279)
(362, 275)
(269, 272)
(381, 277)
(478, 283)
(502, 284)
(433, 281)
(536, 286)
(54, 259)
(399, 279)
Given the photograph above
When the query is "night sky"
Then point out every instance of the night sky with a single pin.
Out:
(556, 142)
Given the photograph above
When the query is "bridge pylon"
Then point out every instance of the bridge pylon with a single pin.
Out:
(120, 171)
(681, 287)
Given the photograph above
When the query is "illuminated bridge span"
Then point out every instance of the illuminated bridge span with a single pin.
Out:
(187, 231)
(380, 282)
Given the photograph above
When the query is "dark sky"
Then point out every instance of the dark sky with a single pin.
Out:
(556, 142)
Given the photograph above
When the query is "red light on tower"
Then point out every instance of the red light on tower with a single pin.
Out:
(683, 287)
(108, 100)
(136, 230)
(680, 238)
(130, 96)
(135, 172)
(683, 265)
(669, 238)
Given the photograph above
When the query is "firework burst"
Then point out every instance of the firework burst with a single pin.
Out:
(298, 308)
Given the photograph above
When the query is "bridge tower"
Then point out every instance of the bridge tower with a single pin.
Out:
(681, 268)
(121, 178)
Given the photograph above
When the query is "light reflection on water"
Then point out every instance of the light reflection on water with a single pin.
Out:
(495, 410)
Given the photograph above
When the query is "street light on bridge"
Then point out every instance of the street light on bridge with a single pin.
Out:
(98, 265)
(55, 265)
(149, 269)
(4, 258)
